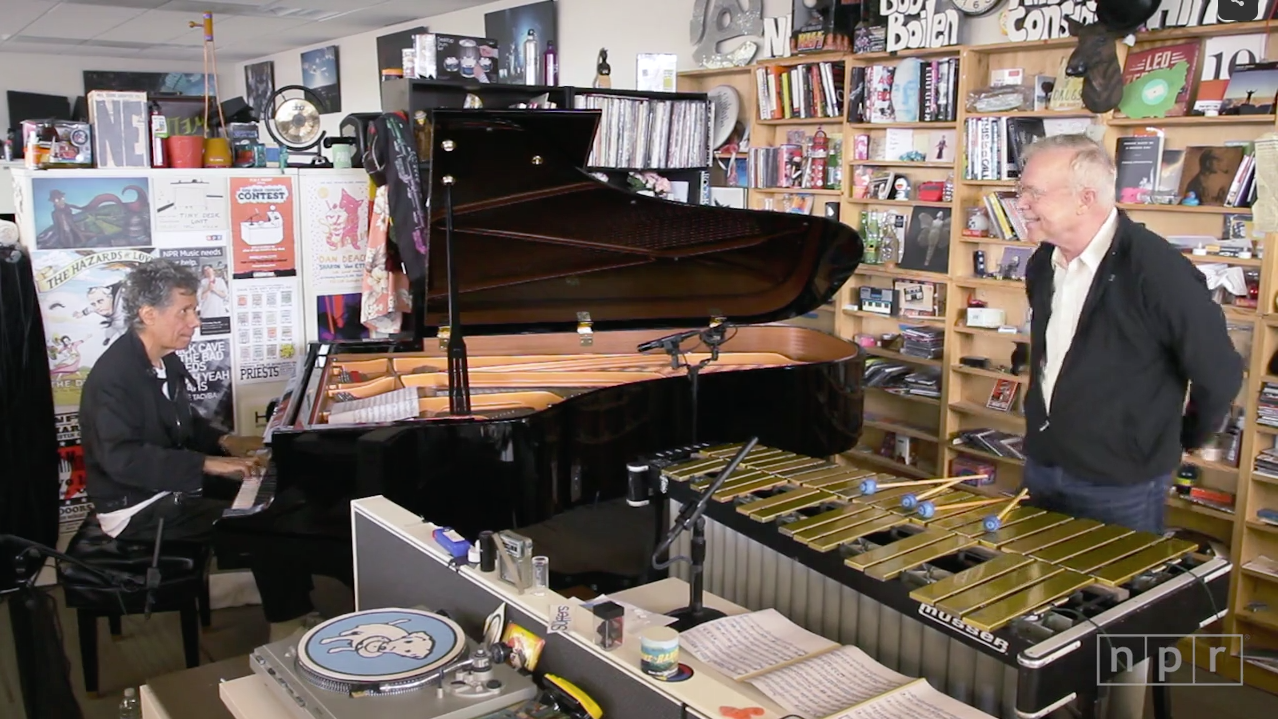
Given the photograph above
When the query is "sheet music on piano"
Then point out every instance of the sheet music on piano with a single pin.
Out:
(386, 407)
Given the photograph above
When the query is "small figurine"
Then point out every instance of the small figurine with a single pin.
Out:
(603, 71)
(1191, 199)
(901, 189)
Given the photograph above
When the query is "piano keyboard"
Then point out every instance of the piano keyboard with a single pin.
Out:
(256, 493)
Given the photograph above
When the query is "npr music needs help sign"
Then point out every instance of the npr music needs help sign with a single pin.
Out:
(915, 24)
(1121, 652)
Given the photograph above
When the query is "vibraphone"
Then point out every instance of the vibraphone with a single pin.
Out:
(1007, 620)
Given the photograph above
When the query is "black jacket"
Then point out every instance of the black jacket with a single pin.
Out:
(1148, 330)
(136, 441)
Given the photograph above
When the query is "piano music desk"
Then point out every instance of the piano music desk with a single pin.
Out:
(704, 693)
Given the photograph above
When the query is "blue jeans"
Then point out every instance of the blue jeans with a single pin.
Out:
(1140, 506)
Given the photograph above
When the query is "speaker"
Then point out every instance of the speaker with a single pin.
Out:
(237, 110)
(356, 125)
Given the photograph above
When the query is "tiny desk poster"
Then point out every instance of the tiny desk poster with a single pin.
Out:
(262, 227)
(190, 210)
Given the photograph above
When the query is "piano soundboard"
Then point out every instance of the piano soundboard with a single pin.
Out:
(359, 389)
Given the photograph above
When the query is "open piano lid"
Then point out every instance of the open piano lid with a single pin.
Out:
(539, 241)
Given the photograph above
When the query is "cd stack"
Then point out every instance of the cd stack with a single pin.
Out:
(925, 342)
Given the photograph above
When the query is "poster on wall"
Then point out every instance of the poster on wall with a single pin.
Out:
(83, 310)
(263, 243)
(527, 26)
(334, 226)
(73, 501)
(213, 298)
(189, 210)
(267, 329)
(209, 364)
(72, 213)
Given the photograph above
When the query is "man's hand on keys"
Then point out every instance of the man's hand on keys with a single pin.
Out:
(237, 467)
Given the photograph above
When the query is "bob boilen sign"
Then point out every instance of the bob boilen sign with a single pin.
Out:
(917, 24)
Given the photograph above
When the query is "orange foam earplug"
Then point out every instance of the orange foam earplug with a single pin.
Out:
(741, 712)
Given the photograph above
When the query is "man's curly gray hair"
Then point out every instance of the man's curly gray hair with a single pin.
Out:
(152, 284)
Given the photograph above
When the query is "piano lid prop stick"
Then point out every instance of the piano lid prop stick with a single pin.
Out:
(911, 500)
(995, 522)
(927, 509)
(869, 486)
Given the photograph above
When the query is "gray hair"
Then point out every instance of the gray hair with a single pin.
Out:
(152, 284)
(1090, 166)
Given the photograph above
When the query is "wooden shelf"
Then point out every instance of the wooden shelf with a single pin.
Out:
(797, 190)
(1195, 120)
(963, 389)
(1187, 209)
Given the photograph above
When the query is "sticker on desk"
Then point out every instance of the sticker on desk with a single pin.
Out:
(560, 619)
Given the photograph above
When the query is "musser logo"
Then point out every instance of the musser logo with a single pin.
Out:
(1116, 653)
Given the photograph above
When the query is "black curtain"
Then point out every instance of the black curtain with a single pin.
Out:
(28, 437)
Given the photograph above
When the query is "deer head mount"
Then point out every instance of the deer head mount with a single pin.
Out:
(1095, 59)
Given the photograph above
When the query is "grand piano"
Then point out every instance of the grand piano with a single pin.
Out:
(563, 326)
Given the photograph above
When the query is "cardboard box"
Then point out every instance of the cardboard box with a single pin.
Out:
(456, 57)
(121, 128)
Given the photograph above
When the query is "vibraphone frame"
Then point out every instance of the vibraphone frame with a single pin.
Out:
(1050, 673)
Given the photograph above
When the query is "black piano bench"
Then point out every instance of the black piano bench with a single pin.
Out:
(183, 588)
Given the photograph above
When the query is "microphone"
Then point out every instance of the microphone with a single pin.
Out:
(637, 485)
(661, 342)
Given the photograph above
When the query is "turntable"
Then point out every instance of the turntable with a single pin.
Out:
(389, 663)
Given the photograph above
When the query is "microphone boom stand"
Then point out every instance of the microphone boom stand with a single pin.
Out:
(693, 515)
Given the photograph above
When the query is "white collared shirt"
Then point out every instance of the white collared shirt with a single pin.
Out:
(1070, 284)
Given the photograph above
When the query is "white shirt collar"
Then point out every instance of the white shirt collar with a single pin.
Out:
(1096, 249)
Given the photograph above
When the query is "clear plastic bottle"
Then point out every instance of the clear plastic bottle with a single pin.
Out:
(129, 707)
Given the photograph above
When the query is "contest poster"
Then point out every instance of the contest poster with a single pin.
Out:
(335, 231)
(209, 364)
(80, 294)
(267, 329)
(73, 501)
(74, 213)
(263, 243)
(190, 210)
(213, 297)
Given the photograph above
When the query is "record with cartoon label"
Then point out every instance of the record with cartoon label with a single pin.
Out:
(379, 646)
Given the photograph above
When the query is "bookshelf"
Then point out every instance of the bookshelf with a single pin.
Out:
(928, 425)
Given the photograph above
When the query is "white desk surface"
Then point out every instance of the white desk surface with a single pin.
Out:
(704, 693)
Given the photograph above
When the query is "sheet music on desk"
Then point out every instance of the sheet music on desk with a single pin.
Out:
(812, 676)
(746, 645)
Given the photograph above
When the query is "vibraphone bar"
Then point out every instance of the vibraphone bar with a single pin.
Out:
(1034, 589)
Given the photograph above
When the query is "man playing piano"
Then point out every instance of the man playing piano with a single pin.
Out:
(147, 453)
(1123, 326)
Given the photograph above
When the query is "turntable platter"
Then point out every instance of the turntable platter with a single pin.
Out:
(383, 647)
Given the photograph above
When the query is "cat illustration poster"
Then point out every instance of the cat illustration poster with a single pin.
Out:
(334, 208)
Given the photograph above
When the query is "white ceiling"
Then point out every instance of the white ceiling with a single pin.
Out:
(159, 29)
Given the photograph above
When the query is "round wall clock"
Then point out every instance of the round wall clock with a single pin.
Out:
(976, 8)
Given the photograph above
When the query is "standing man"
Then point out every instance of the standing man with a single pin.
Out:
(1123, 326)
(146, 452)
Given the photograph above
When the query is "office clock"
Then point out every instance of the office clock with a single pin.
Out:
(976, 8)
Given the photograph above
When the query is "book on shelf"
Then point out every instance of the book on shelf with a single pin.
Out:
(1252, 90)
(807, 90)
(813, 676)
(802, 163)
(648, 133)
(1139, 159)
(912, 90)
(1158, 81)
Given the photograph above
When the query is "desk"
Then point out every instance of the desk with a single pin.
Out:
(398, 564)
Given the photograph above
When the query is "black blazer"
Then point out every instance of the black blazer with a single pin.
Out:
(1149, 330)
(137, 442)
